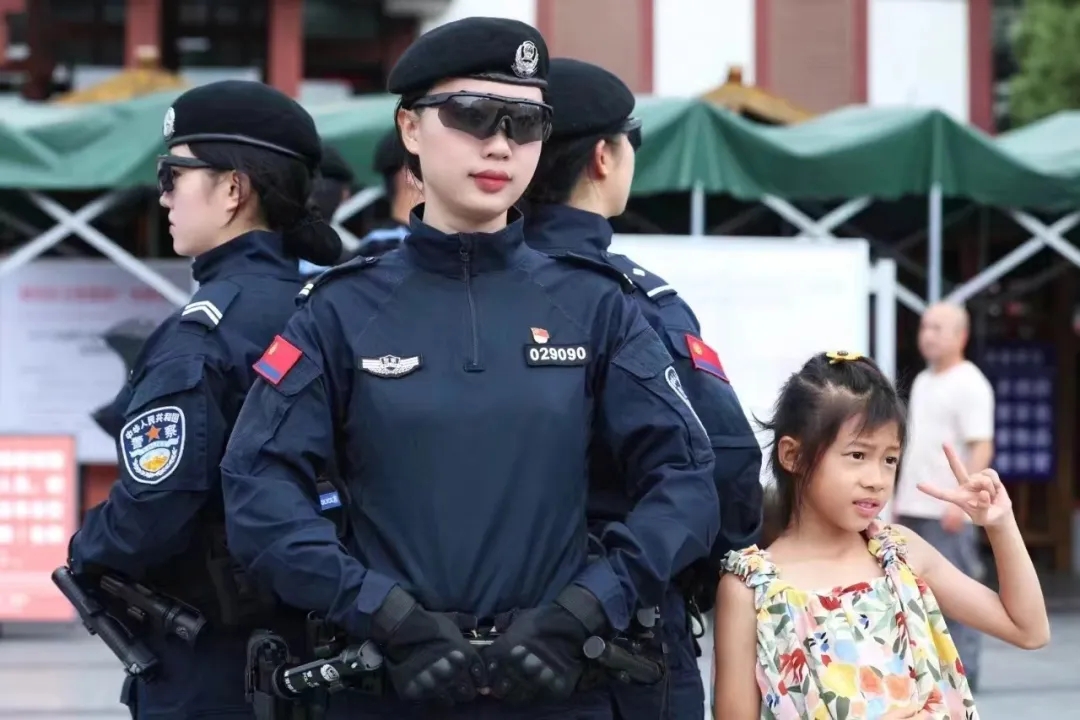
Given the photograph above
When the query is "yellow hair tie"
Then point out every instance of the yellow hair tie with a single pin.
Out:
(837, 356)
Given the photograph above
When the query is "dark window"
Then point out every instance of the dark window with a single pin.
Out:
(341, 20)
(16, 28)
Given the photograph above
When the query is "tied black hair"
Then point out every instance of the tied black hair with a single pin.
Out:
(283, 187)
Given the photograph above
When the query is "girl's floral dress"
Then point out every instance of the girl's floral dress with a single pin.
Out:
(853, 653)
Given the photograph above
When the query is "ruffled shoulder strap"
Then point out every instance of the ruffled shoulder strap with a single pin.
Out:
(751, 565)
(887, 544)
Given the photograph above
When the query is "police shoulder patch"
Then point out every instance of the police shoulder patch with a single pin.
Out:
(209, 304)
(152, 444)
(338, 271)
(584, 261)
(653, 286)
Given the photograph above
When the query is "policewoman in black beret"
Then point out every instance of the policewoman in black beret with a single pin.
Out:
(463, 384)
(235, 182)
(584, 178)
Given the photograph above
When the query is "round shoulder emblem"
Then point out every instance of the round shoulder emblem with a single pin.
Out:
(526, 60)
(152, 444)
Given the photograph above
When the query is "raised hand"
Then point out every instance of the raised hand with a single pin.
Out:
(981, 495)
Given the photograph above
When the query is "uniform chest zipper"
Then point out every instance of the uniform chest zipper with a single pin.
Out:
(465, 253)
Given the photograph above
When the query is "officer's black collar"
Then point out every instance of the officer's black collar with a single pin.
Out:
(558, 227)
(256, 252)
(445, 254)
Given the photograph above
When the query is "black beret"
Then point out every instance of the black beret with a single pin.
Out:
(245, 112)
(334, 167)
(476, 47)
(586, 99)
(389, 155)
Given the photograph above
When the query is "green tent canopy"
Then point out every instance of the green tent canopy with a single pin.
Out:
(882, 153)
(1051, 144)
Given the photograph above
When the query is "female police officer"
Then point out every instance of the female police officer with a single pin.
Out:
(583, 178)
(461, 385)
(235, 182)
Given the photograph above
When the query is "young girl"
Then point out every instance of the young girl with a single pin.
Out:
(818, 627)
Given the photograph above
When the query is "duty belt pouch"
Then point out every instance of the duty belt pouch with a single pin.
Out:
(241, 604)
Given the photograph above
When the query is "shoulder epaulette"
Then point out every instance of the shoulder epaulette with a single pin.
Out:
(208, 305)
(653, 286)
(346, 268)
(584, 261)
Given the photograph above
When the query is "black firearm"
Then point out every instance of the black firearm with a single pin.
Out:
(280, 687)
(627, 666)
(267, 652)
(136, 658)
(356, 667)
(166, 615)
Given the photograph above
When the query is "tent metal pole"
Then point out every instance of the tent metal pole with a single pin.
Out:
(883, 283)
(934, 247)
(1042, 236)
(31, 250)
(697, 210)
(110, 249)
(350, 207)
(910, 300)
(822, 230)
(1052, 238)
(816, 229)
(990, 275)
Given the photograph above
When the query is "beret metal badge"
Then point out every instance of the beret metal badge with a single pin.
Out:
(526, 60)
(169, 124)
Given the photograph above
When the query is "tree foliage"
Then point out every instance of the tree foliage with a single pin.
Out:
(1047, 51)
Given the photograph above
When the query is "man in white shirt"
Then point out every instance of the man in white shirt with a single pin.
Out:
(951, 402)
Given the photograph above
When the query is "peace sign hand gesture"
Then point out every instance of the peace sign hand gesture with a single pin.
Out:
(980, 495)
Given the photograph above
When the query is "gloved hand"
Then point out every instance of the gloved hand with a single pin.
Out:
(426, 656)
(540, 654)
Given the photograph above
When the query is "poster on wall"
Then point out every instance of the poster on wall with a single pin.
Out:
(1024, 377)
(38, 507)
(56, 367)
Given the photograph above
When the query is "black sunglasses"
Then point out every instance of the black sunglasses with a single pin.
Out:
(167, 164)
(481, 115)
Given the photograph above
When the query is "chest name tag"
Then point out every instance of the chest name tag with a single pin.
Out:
(564, 355)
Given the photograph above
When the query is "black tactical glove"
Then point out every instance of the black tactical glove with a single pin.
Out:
(540, 655)
(426, 656)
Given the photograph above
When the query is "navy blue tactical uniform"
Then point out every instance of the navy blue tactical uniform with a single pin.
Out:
(560, 229)
(463, 383)
(163, 522)
(178, 409)
(593, 104)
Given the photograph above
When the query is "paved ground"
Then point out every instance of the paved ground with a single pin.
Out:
(62, 674)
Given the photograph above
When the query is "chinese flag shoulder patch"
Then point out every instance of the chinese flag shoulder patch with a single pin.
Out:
(278, 360)
(704, 357)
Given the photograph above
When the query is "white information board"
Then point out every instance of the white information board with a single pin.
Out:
(55, 368)
(765, 305)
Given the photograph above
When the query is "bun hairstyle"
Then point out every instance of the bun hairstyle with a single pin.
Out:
(283, 185)
(814, 403)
